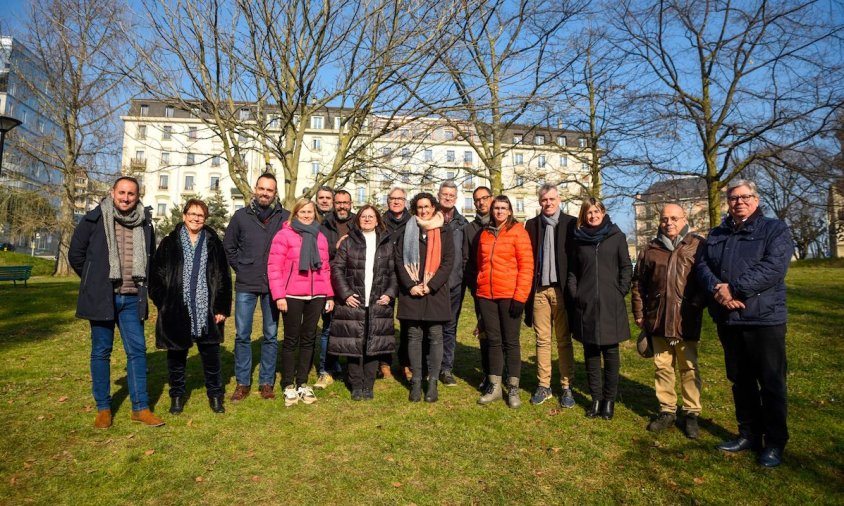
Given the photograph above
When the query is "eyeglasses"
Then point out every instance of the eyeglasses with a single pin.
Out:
(744, 198)
(198, 216)
(342, 203)
(396, 199)
(482, 199)
(367, 217)
(444, 196)
(672, 219)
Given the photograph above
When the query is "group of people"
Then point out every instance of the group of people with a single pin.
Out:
(566, 276)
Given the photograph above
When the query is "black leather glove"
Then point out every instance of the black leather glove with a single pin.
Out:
(516, 308)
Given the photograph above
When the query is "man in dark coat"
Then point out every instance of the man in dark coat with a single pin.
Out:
(247, 244)
(395, 218)
(550, 236)
(668, 305)
(454, 222)
(111, 250)
(482, 198)
(324, 201)
(743, 266)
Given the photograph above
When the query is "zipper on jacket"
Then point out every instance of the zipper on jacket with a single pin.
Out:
(491, 255)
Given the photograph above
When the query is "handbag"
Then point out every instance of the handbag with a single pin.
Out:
(644, 345)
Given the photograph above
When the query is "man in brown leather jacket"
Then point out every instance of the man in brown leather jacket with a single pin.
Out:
(668, 305)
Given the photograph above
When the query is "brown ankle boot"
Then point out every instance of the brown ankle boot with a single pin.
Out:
(146, 417)
(103, 420)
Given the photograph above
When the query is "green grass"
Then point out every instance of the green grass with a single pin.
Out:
(40, 266)
(390, 451)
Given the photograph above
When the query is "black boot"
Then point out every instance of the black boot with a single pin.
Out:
(415, 390)
(594, 410)
(177, 405)
(608, 410)
(216, 404)
(432, 395)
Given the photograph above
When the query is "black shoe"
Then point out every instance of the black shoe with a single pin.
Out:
(771, 456)
(665, 420)
(432, 395)
(216, 404)
(608, 410)
(594, 410)
(690, 428)
(368, 394)
(448, 379)
(738, 445)
(415, 390)
(357, 395)
(177, 405)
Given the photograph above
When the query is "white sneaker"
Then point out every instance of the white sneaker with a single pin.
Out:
(291, 396)
(306, 394)
(325, 380)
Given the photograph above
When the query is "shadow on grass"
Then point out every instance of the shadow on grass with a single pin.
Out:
(35, 312)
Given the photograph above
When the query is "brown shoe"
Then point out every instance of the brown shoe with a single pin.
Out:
(240, 393)
(408, 373)
(146, 417)
(386, 373)
(103, 420)
(267, 392)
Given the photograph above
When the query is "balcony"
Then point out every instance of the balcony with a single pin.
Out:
(138, 164)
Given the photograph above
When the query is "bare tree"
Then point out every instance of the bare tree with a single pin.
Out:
(75, 44)
(733, 83)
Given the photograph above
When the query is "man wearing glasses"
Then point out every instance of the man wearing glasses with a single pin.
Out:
(453, 221)
(395, 218)
(482, 198)
(743, 267)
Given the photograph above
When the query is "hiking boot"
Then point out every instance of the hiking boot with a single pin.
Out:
(415, 390)
(146, 417)
(541, 395)
(306, 394)
(690, 428)
(513, 399)
(103, 419)
(324, 381)
(291, 396)
(493, 391)
(267, 392)
(484, 384)
(385, 372)
(240, 393)
(447, 379)
(567, 399)
(665, 420)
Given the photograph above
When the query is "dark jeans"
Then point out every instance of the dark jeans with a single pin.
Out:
(432, 333)
(608, 388)
(328, 363)
(756, 366)
(178, 359)
(502, 337)
(450, 328)
(300, 323)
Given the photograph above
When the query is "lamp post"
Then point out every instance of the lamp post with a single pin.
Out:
(6, 123)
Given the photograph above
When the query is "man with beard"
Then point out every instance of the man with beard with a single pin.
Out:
(482, 197)
(453, 221)
(247, 245)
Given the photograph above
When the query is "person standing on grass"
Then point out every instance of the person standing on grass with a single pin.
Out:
(247, 244)
(599, 276)
(424, 253)
(365, 287)
(482, 199)
(668, 305)
(546, 309)
(505, 271)
(191, 286)
(111, 250)
(300, 283)
(335, 225)
(743, 267)
(395, 218)
(454, 222)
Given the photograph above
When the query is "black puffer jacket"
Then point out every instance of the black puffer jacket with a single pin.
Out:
(436, 306)
(348, 278)
(599, 277)
(172, 329)
(331, 231)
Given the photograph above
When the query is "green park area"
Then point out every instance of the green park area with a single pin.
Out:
(390, 451)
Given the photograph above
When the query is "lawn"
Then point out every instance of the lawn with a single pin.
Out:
(390, 451)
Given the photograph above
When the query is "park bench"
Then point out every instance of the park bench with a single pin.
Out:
(15, 273)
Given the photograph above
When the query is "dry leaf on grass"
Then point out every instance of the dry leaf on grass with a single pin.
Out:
(149, 452)
(199, 479)
(40, 418)
(62, 398)
(256, 478)
(698, 481)
(190, 423)
(397, 484)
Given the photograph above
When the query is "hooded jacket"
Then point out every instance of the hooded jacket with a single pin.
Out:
(285, 278)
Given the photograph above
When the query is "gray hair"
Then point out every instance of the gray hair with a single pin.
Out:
(396, 188)
(742, 182)
(448, 184)
(545, 188)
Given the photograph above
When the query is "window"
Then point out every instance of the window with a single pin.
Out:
(404, 133)
(429, 155)
(467, 157)
(539, 140)
(191, 159)
(564, 161)
(275, 121)
(519, 158)
(163, 181)
(188, 183)
(448, 134)
(584, 167)
(338, 122)
(561, 141)
(517, 138)
(361, 194)
(194, 112)
(168, 111)
(388, 152)
(41, 126)
(241, 137)
(449, 156)
(541, 161)
(316, 144)
(316, 122)
(314, 168)
(449, 175)
(215, 183)
(161, 210)
(167, 133)
(243, 114)
(142, 132)
(192, 133)
(144, 110)
(581, 142)
(243, 161)
(165, 158)
(520, 180)
(520, 205)
(140, 155)
(467, 204)
(405, 153)
(405, 178)
(215, 161)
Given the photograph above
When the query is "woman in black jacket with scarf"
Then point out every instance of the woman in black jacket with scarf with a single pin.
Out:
(365, 289)
(599, 276)
(191, 286)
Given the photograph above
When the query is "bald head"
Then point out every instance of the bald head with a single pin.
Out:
(672, 219)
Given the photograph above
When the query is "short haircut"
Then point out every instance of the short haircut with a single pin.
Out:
(742, 182)
(511, 220)
(325, 189)
(267, 175)
(379, 223)
(396, 188)
(420, 196)
(343, 192)
(448, 184)
(480, 188)
(127, 178)
(545, 188)
(302, 202)
(586, 206)
(195, 202)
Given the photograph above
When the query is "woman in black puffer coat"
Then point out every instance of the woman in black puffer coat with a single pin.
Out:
(365, 289)
(196, 313)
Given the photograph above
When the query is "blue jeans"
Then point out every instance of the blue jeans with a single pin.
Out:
(327, 363)
(102, 341)
(244, 310)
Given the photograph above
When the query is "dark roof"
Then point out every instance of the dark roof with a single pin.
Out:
(675, 189)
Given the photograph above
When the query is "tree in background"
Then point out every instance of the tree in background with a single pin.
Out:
(218, 215)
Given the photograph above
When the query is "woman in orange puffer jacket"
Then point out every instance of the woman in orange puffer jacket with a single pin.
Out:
(505, 275)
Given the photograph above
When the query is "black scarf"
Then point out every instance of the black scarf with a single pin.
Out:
(263, 213)
(593, 235)
(309, 253)
(397, 222)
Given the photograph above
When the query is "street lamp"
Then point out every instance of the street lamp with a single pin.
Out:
(6, 123)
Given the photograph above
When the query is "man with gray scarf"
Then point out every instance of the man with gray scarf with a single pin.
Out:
(668, 306)
(111, 250)
(546, 309)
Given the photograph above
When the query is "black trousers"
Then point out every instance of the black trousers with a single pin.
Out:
(362, 370)
(603, 382)
(432, 334)
(300, 324)
(502, 337)
(756, 366)
(177, 361)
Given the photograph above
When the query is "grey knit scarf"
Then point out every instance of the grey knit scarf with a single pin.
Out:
(668, 243)
(134, 220)
(549, 253)
(309, 259)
